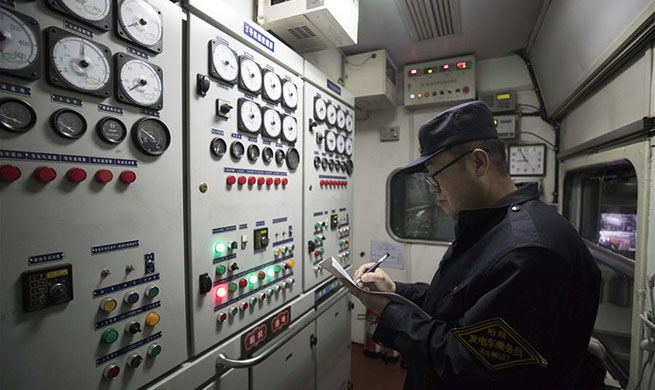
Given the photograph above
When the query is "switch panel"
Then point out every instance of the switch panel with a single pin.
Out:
(261, 238)
(47, 287)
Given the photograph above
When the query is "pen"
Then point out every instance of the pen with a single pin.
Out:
(374, 267)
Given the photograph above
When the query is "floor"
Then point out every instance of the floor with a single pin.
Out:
(372, 373)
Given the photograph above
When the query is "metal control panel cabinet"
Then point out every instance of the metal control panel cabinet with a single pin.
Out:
(333, 352)
(329, 123)
(92, 253)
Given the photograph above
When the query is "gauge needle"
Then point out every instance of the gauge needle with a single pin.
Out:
(82, 49)
(66, 126)
(11, 118)
(150, 135)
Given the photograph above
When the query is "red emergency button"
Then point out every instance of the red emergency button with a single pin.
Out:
(269, 181)
(76, 175)
(261, 275)
(261, 181)
(127, 177)
(243, 283)
(45, 174)
(277, 181)
(285, 181)
(252, 180)
(231, 180)
(241, 180)
(104, 176)
(9, 172)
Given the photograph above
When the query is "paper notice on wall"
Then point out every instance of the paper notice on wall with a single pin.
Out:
(396, 254)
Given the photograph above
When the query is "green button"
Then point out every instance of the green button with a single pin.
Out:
(233, 245)
(277, 269)
(154, 350)
(152, 291)
(220, 269)
(322, 251)
(317, 239)
(109, 336)
(253, 300)
(233, 287)
(234, 311)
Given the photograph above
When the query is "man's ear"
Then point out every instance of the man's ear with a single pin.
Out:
(481, 161)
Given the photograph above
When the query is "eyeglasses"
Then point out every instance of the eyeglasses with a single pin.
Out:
(430, 179)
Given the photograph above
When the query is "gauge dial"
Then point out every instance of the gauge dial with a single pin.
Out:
(337, 166)
(19, 45)
(324, 163)
(317, 162)
(330, 141)
(267, 154)
(16, 115)
(319, 109)
(224, 63)
(250, 75)
(89, 10)
(289, 95)
(349, 146)
(140, 82)
(331, 114)
(218, 147)
(68, 123)
(272, 123)
(289, 129)
(253, 153)
(272, 86)
(280, 156)
(151, 136)
(237, 150)
(250, 116)
(111, 130)
(293, 158)
(141, 23)
(350, 125)
(341, 143)
(341, 119)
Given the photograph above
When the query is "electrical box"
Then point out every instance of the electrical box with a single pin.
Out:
(440, 82)
(499, 101)
(506, 126)
(371, 77)
(311, 25)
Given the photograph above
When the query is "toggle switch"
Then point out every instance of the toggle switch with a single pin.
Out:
(203, 84)
(133, 327)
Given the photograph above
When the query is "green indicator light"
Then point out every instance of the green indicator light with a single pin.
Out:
(293, 247)
(277, 269)
(219, 247)
(234, 311)
(232, 287)
(322, 251)
(153, 291)
(270, 272)
(220, 269)
(252, 279)
(253, 300)
(154, 351)
(109, 336)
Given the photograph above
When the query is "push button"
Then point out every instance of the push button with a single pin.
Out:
(127, 177)
(269, 181)
(134, 360)
(9, 173)
(252, 180)
(109, 336)
(261, 181)
(45, 174)
(243, 283)
(111, 371)
(241, 180)
(152, 291)
(221, 317)
(230, 180)
(108, 305)
(104, 176)
(152, 319)
(131, 297)
(154, 350)
(76, 175)
(277, 181)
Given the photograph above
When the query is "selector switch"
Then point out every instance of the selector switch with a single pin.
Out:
(205, 283)
(133, 327)
(223, 108)
(203, 84)
(233, 267)
(131, 297)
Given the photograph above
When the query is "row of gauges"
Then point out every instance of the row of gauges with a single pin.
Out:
(327, 112)
(228, 67)
(338, 143)
(333, 165)
(150, 135)
(218, 148)
(252, 119)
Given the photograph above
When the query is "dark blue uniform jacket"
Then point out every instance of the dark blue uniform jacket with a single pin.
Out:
(513, 303)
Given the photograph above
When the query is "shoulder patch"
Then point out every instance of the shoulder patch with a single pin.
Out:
(497, 345)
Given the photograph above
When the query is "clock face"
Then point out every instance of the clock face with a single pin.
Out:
(527, 160)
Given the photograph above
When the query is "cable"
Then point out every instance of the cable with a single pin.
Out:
(643, 370)
(528, 105)
(363, 62)
(540, 137)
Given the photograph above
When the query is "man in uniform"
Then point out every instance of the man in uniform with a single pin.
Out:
(515, 296)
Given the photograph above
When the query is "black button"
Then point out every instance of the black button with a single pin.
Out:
(205, 283)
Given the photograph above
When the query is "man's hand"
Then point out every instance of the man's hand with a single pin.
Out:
(377, 280)
(373, 302)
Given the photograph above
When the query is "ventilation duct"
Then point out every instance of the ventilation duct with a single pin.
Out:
(430, 19)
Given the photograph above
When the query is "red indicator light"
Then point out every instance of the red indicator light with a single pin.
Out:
(285, 181)
(261, 181)
(241, 180)
(445, 67)
(243, 283)
(269, 181)
(461, 65)
(231, 180)
(221, 291)
(277, 181)
(252, 180)
(413, 72)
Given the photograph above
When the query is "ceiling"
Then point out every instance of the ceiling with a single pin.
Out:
(490, 28)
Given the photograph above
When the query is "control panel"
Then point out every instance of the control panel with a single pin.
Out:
(244, 185)
(440, 82)
(328, 167)
(91, 261)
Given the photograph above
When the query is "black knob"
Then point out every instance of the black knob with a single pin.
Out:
(58, 290)
(264, 241)
(205, 283)
(234, 267)
(225, 108)
(203, 84)
(312, 124)
(133, 327)
(311, 245)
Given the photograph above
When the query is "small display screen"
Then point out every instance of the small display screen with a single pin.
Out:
(618, 231)
(503, 96)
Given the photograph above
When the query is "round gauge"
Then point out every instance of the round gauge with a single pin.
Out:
(317, 162)
(341, 143)
(344, 166)
(331, 114)
(289, 129)
(218, 147)
(324, 163)
(151, 136)
(16, 115)
(250, 116)
(279, 156)
(267, 154)
(337, 166)
(225, 63)
(92, 10)
(331, 164)
(141, 22)
(349, 123)
(81, 63)
(341, 119)
(237, 150)
(68, 123)
(272, 123)
(272, 86)
(111, 130)
(289, 95)
(349, 167)
(250, 76)
(349, 146)
(330, 141)
(293, 158)
(253, 153)
(319, 109)
(18, 43)
(141, 82)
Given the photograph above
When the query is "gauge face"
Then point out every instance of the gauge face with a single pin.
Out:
(140, 83)
(68, 123)
(317, 162)
(141, 23)
(293, 158)
(267, 154)
(151, 136)
(272, 123)
(91, 10)
(350, 125)
(237, 150)
(250, 116)
(19, 45)
(324, 163)
(279, 156)
(290, 129)
(341, 119)
(83, 65)
(272, 86)
(225, 64)
(341, 143)
(289, 95)
(331, 164)
(349, 146)
(331, 115)
(111, 130)
(319, 109)
(250, 76)
(218, 147)
(337, 166)
(16, 115)
(330, 141)
(253, 153)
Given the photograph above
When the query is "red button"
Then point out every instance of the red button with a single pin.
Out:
(465, 89)
(76, 175)
(261, 275)
(104, 176)
(242, 180)
(261, 181)
(45, 174)
(222, 317)
(277, 181)
(317, 253)
(285, 181)
(243, 283)
(345, 183)
(230, 180)
(127, 177)
(112, 371)
(9, 172)
(252, 180)
(322, 183)
(269, 181)
(244, 305)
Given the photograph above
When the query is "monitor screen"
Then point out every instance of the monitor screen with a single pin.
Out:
(618, 231)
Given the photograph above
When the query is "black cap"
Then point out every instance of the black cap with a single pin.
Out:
(470, 121)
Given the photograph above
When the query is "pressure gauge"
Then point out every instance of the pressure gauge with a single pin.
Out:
(97, 13)
(141, 23)
(253, 153)
(349, 146)
(68, 123)
(250, 116)
(280, 156)
(267, 154)
(527, 160)
(293, 158)
(151, 136)
(350, 125)
(218, 147)
(140, 83)
(19, 45)
(237, 150)
(250, 75)
(111, 130)
(331, 114)
(224, 64)
(272, 123)
(78, 64)
(341, 144)
(341, 119)
(16, 115)
(289, 95)
(289, 129)
(319, 109)
(272, 86)
(330, 141)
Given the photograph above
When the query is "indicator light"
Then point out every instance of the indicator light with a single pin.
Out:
(232, 287)
(108, 305)
(152, 319)
(243, 283)
(111, 371)
(420, 95)
(220, 269)
(270, 272)
(261, 275)
(412, 96)
(221, 292)
(152, 291)
(219, 247)
(277, 269)
(233, 311)
(154, 350)
(252, 279)
(109, 336)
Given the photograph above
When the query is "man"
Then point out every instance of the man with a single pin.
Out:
(515, 297)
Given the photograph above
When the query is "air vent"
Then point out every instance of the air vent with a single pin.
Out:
(301, 32)
(430, 19)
